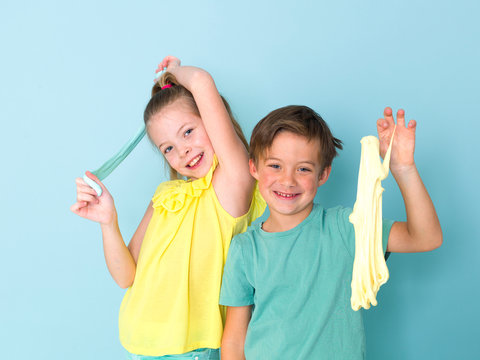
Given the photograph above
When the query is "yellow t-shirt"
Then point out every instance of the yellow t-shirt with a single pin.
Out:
(172, 306)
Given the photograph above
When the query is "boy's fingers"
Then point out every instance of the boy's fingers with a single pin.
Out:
(412, 124)
(401, 117)
(387, 113)
(382, 124)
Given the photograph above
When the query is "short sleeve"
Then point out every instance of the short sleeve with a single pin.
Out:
(236, 289)
(347, 231)
(387, 226)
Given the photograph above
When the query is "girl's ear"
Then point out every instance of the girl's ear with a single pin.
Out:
(253, 169)
(322, 179)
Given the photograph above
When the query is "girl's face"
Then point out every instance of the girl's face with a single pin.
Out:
(181, 137)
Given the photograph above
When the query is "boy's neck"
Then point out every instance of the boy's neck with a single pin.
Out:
(277, 222)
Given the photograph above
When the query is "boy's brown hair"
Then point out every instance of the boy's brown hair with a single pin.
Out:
(300, 120)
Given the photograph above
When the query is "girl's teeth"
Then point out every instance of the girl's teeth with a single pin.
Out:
(194, 161)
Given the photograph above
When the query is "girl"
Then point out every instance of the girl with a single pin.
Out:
(174, 262)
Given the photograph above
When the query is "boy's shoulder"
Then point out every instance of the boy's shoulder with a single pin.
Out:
(249, 234)
(333, 217)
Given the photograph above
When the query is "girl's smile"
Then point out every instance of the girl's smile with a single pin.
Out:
(195, 162)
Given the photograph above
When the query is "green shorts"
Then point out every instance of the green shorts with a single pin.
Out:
(198, 354)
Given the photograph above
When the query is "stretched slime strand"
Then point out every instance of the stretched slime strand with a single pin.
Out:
(103, 171)
(369, 268)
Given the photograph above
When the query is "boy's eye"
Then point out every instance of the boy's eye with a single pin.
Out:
(304, 169)
(274, 166)
(167, 149)
(188, 132)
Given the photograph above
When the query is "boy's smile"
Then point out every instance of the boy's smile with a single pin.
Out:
(288, 176)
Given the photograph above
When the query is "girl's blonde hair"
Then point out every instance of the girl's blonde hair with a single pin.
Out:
(161, 98)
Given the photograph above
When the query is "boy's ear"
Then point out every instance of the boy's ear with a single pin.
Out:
(253, 168)
(322, 179)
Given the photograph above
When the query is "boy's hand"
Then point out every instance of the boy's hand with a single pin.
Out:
(404, 142)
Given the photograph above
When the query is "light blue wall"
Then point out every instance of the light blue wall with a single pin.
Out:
(75, 77)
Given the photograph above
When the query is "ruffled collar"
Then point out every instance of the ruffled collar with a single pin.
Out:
(171, 195)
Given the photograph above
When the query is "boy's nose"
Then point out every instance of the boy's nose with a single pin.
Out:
(287, 179)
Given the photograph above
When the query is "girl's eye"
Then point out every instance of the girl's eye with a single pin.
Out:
(167, 149)
(274, 166)
(188, 132)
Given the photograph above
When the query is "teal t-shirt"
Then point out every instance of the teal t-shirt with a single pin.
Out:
(299, 283)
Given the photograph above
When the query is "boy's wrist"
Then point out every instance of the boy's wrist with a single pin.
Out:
(403, 171)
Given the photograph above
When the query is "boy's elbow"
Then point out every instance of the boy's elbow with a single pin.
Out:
(438, 240)
(435, 241)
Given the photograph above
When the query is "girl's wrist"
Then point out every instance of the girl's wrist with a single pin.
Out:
(110, 224)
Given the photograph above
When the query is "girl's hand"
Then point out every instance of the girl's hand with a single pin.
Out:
(169, 62)
(100, 209)
(403, 146)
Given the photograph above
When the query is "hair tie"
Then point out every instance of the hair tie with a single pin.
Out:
(166, 86)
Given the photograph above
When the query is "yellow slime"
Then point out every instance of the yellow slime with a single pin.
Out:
(369, 268)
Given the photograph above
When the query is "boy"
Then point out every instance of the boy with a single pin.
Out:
(287, 281)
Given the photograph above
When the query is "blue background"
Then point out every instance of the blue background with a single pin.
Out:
(76, 76)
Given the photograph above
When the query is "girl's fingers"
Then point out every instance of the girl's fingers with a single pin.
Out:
(85, 189)
(80, 181)
(78, 206)
(82, 186)
(82, 197)
(96, 179)
(412, 124)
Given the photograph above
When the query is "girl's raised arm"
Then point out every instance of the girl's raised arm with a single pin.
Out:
(232, 181)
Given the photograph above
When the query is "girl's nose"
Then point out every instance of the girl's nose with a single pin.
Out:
(186, 150)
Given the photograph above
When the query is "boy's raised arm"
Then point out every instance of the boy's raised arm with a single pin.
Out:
(421, 231)
(233, 340)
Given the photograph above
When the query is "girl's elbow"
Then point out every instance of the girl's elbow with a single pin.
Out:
(125, 282)
(124, 285)
(202, 78)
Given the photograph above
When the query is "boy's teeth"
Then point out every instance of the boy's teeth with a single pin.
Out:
(194, 161)
(285, 195)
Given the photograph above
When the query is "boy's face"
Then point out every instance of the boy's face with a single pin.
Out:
(288, 175)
